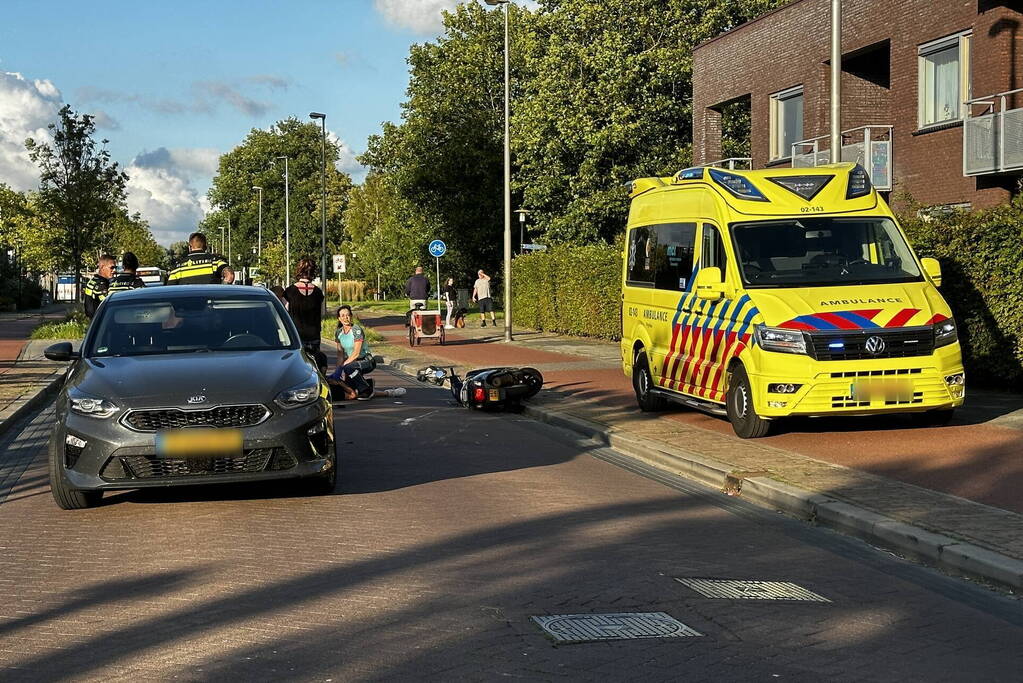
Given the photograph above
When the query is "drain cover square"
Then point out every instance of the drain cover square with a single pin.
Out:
(750, 590)
(585, 628)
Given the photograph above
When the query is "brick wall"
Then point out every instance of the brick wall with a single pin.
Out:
(790, 46)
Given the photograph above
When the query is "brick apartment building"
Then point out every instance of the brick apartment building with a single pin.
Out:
(923, 74)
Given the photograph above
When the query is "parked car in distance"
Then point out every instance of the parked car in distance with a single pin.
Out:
(152, 276)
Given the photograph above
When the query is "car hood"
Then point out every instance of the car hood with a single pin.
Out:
(180, 380)
(856, 307)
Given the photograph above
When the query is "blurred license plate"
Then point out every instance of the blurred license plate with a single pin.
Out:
(495, 395)
(198, 443)
(882, 389)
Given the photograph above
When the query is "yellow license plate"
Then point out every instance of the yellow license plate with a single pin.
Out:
(495, 395)
(198, 443)
(882, 389)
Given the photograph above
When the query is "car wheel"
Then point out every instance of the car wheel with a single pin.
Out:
(66, 497)
(741, 413)
(643, 384)
(933, 418)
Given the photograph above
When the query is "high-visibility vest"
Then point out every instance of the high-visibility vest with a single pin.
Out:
(198, 268)
(125, 281)
(94, 291)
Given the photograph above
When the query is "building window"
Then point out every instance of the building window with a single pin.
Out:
(944, 79)
(786, 121)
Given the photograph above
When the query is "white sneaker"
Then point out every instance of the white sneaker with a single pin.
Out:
(449, 327)
(395, 392)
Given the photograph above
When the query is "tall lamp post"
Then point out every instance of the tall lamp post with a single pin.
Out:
(223, 243)
(323, 201)
(507, 181)
(836, 81)
(259, 233)
(229, 243)
(287, 227)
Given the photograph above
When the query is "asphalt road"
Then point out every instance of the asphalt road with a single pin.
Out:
(449, 531)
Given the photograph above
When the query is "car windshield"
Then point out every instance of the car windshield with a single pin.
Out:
(188, 325)
(823, 252)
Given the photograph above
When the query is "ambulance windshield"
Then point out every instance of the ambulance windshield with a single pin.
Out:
(823, 252)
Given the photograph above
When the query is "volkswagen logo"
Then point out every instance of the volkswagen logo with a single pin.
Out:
(201, 399)
(874, 346)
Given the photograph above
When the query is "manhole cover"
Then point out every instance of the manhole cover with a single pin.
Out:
(584, 628)
(750, 590)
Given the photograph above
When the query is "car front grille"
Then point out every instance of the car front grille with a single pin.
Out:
(154, 467)
(151, 420)
(852, 345)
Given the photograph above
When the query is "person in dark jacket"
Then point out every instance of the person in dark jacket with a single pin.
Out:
(201, 267)
(98, 285)
(127, 279)
(417, 289)
(305, 304)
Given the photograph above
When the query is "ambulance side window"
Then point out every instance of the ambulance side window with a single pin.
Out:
(642, 242)
(712, 252)
(676, 243)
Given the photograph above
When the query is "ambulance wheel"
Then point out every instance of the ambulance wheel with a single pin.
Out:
(933, 418)
(643, 383)
(745, 421)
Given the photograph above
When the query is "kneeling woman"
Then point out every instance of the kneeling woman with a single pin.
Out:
(355, 359)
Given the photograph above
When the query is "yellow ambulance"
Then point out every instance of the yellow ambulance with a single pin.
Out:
(766, 294)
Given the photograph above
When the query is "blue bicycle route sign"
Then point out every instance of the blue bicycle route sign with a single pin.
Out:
(438, 248)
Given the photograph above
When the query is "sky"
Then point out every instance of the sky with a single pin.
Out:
(175, 84)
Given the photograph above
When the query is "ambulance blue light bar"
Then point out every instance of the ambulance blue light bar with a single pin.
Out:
(737, 185)
(859, 183)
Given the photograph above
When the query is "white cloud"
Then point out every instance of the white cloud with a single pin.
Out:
(161, 186)
(421, 16)
(346, 161)
(26, 108)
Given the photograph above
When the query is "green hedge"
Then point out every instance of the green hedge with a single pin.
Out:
(981, 256)
(574, 290)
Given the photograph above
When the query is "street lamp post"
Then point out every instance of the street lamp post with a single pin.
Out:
(522, 228)
(287, 227)
(507, 180)
(223, 243)
(259, 237)
(229, 242)
(323, 201)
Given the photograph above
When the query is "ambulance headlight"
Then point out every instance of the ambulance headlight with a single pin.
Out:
(778, 339)
(945, 333)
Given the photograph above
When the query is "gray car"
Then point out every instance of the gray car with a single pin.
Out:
(188, 385)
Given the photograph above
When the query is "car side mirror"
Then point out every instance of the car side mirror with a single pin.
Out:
(709, 285)
(933, 270)
(62, 351)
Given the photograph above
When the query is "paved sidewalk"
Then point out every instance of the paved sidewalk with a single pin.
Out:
(948, 496)
(26, 377)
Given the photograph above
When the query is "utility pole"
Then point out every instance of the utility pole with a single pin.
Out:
(259, 238)
(287, 227)
(836, 81)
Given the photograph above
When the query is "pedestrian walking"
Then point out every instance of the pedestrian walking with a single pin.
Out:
(450, 296)
(127, 279)
(200, 267)
(98, 286)
(417, 289)
(481, 295)
(305, 304)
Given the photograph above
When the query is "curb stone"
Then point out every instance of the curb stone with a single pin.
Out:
(943, 552)
(13, 414)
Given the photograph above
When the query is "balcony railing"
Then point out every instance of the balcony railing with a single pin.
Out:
(731, 163)
(993, 139)
(868, 146)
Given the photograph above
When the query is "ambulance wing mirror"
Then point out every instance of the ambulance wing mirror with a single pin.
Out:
(708, 284)
(933, 270)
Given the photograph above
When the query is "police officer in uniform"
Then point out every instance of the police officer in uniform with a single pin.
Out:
(126, 279)
(200, 267)
(96, 288)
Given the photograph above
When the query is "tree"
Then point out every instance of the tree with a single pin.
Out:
(131, 233)
(253, 163)
(79, 187)
(176, 253)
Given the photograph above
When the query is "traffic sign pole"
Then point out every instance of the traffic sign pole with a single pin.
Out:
(437, 249)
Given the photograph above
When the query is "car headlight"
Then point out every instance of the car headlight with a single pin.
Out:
(301, 394)
(781, 340)
(945, 333)
(91, 406)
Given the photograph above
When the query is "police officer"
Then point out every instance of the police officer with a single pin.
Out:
(96, 288)
(126, 279)
(200, 267)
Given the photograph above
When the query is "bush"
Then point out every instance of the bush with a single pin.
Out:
(982, 280)
(72, 327)
(571, 289)
(351, 290)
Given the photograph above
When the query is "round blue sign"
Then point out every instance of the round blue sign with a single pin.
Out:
(438, 248)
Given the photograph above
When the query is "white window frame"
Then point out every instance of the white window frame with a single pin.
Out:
(777, 120)
(962, 40)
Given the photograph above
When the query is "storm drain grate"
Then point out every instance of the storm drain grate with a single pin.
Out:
(750, 590)
(585, 628)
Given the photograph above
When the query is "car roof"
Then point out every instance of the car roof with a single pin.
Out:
(182, 291)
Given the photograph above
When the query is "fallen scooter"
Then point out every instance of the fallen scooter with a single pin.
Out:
(486, 388)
